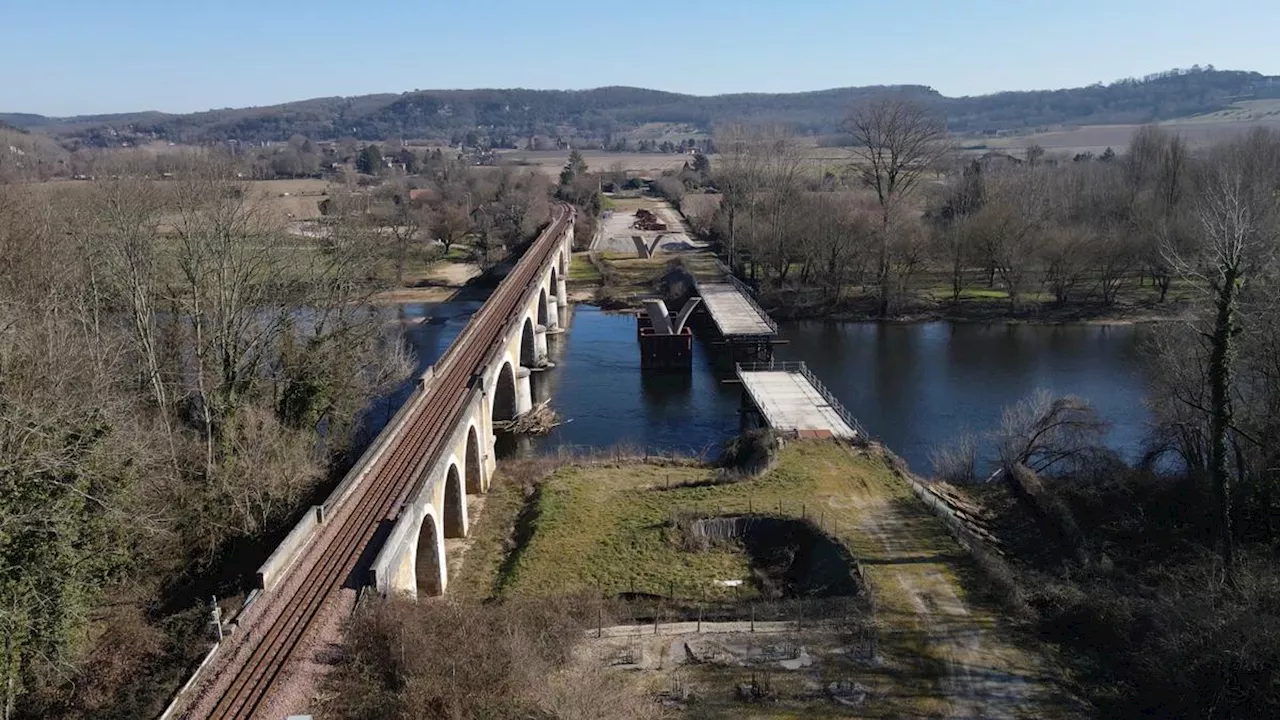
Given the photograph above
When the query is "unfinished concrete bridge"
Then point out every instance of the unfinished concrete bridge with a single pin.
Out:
(385, 525)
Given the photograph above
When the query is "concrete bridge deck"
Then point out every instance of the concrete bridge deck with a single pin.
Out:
(789, 398)
(734, 312)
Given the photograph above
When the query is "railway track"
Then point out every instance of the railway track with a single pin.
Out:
(332, 557)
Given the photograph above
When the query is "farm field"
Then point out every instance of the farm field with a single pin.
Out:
(552, 161)
(1199, 131)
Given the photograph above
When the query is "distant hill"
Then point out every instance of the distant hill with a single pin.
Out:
(504, 117)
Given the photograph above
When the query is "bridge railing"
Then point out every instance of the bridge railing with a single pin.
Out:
(799, 366)
(557, 228)
(743, 289)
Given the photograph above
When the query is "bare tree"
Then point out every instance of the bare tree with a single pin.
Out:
(895, 141)
(228, 258)
(737, 177)
(957, 460)
(1237, 206)
(449, 223)
(1064, 254)
(402, 219)
(1044, 432)
(128, 212)
(1011, 224)
(776, 205)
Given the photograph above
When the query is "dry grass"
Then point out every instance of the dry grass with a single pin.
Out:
(445, 659)
(552, 161)
(1198, 130)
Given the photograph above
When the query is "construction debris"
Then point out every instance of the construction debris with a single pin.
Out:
(646, 220)
(538, 421)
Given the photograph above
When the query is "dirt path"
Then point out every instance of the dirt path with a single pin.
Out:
(954, 650)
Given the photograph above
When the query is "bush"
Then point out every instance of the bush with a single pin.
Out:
(447, 659)
(1176, 643)
(752, 452)
(957, 461)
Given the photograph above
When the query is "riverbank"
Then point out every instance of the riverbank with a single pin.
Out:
(927, 640)
(615, 281)
(988, 311)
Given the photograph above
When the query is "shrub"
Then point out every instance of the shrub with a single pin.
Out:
(752, 452)
(446, 659)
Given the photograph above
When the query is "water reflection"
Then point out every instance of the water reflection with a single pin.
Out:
(913, 386)
(605, 401)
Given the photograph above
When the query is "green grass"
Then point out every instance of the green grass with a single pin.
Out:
(458, 253)
(605, 528)
(582, 271)
(602, 528)
(930, 291)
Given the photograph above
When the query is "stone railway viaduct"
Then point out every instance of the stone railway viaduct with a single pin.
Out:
(412, 560)
(386, 522)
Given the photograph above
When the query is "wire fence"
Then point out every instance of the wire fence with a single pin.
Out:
(681, 604)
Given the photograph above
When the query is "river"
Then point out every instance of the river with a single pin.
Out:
(913, 386)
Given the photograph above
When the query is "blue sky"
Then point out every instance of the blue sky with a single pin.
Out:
(65, 57)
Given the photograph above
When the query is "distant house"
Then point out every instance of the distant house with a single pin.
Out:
(995, 160)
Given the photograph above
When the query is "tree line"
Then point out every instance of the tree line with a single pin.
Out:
(1158, 214)
(909, 225)
(502, 116)
(177, 375)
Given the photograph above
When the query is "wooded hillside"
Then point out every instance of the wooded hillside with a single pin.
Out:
(504, 117)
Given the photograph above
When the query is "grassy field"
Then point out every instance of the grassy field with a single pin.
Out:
(552, 162)
(285, 200)
(943, 649)
(582, 271)
(929, 296)
(1198, 130)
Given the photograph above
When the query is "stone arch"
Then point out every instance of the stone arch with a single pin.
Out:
(543, 319)
(555, 277)
(505, 404)
(428, 570)
(528, 350)
(472, 463)
(455, 505)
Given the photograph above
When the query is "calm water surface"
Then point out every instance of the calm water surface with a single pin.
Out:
(913, 386)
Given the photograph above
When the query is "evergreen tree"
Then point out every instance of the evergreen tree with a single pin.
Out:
(369, 161)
